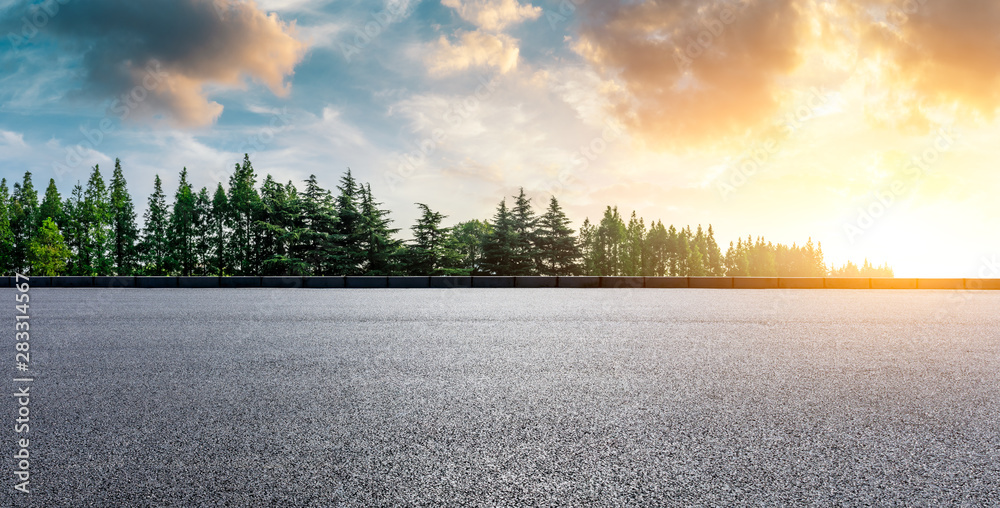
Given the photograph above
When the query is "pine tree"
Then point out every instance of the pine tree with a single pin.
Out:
(588, 251)
(181, 235)
(632, 246)
(124, 230)
(715, 264)
(203, 232)
(23, 220)
(348, 255)
(381, 248)
(48, 252)
(524, 255)
(7, 264)
(430, 253)
(157, 224)
(316, 240)
(75, 231)
(244, 209)
(96, 215)
(51, 207)
(498, 251)
(609, 243)
(559, 252)
(217, 223)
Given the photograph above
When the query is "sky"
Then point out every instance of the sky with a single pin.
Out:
(866, 125)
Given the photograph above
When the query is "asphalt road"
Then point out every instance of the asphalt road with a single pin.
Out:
(511, 397)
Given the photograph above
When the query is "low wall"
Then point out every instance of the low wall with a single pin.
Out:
(370, 282)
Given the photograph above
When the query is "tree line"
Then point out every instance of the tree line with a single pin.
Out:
(278, 229)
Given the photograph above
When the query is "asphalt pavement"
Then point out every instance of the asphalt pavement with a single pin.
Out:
(507, 397)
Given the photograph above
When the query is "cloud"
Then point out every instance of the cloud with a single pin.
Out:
(474, 49)
(936, 55)
(694, 71)
(487, 46)
(493, 15)
(156, 58)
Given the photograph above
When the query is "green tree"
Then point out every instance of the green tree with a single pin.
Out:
(74, 230)
(430, 252)
(124, 230)
(469, 238)
(181, 232)
(524, 252)
(23, 220)
(559, 252)
(382, 250)
(51, 207)
(499, 249)
(96, 217)
(609, 239)
(218, 221)
(316, 240)
(48, 252)
(348, 256)
(7, 264)
(155, 245)
(244, 211)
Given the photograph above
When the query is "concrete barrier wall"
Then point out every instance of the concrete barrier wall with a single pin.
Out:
(114, 282)
(281, 282)
(885, 283)
(323, 282)
(6, 282)
(666, 282)
(623, 282)
(755, 282)
(492, 282)
(710, 282)
(442, 282)
(508, 282)
(579, 282)
(366, 282)
(801, 282)
(409, 282)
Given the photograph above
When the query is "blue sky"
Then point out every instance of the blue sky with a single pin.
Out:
(784, 118)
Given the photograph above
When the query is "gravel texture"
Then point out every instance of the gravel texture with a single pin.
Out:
(513, 397)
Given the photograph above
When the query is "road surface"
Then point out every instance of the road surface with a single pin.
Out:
(508, 397)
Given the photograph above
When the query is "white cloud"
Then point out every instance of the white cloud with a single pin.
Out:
(493, 15)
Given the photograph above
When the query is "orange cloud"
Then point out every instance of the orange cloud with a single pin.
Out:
(156, 58)
(694, 71)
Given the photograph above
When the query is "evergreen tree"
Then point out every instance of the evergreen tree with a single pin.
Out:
(155, 245)
(588, 251)
(632, 247)
(217, 224)
(609, 242)
(559, 252)
(348, 255)
(282, 228)
(75, 231)
(96, 216)
(714, 262)
(181, 232)
(48, 252)
(51, 207)
(244, 210)
(524, 254)
(7, 264)
(203, 232)
(499, 250)
(656, 261)
(381, 248)
(23, 220)
(316, 240)
(430, 252)
(124, 230)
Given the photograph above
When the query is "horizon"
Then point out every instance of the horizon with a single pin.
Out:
(867, 130)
